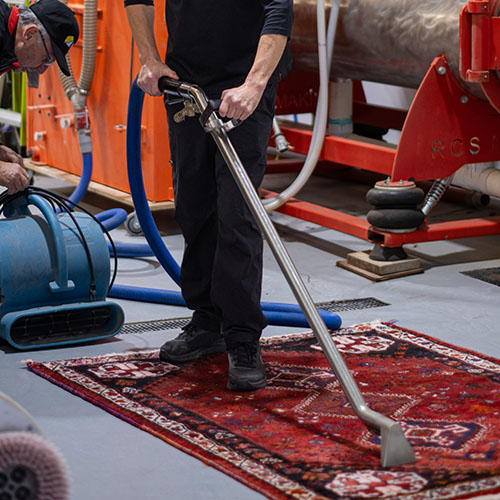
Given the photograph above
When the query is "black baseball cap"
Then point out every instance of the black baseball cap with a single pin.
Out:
(61, 25)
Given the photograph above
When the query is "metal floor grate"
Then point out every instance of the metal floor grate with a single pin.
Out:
(177, 323)
(351, 304)
(155, 326)
(491, 275)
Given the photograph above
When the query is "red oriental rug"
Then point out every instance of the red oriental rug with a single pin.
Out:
(299, 438)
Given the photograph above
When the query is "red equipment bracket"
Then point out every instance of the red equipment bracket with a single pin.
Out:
(446, 128)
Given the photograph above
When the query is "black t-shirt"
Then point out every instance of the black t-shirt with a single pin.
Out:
(213, 43)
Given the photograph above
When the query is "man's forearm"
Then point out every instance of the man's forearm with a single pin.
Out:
(241, 102)
(141, 21)
(269, 52)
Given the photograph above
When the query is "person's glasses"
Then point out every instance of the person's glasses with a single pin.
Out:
(49, 59)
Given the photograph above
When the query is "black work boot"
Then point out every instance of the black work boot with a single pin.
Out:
(246, 369)
(192, 343)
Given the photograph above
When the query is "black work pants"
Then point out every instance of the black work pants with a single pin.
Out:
(221, 272)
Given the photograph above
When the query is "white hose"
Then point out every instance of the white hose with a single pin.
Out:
(325, 54)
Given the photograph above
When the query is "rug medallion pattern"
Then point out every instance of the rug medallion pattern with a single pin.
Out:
(299, 438)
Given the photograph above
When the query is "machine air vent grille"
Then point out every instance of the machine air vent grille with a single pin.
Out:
(60, 326)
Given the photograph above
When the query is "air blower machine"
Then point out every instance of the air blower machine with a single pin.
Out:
(54, 274)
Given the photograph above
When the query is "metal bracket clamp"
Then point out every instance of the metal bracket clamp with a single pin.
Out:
(395, 449)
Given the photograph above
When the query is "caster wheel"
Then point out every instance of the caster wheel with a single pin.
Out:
(132, 224)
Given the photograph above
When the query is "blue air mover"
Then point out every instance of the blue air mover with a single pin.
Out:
(54, 277)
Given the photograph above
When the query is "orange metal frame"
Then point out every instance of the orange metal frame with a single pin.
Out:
(49, 110)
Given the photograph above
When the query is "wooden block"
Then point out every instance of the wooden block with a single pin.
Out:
(362, 260)
(377, 277)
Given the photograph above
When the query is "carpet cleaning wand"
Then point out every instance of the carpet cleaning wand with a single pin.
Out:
(395, 449)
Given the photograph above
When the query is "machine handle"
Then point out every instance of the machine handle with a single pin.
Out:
(61, 282)
(187, 91)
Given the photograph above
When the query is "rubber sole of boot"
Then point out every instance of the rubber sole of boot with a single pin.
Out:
(246, 385)
(218, 347)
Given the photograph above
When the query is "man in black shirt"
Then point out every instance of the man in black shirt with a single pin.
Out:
(236, 50)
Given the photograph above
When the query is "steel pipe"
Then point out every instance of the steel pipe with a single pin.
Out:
(389, 41)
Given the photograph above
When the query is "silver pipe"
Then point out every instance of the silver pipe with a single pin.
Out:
(395, 449)
(282, 145)
(389, 41)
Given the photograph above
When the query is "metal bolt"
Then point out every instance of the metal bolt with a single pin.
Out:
(464, 99)
(442, 70)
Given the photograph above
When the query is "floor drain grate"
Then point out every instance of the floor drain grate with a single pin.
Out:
(155, 326)
(177, 323)
(491, 275)
(351, 304)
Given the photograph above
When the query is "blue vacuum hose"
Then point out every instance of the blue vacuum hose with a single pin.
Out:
(275, 313)
(81, 189)
(113, 218)
(110, 219)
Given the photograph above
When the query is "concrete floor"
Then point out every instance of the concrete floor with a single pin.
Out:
(110, 459)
